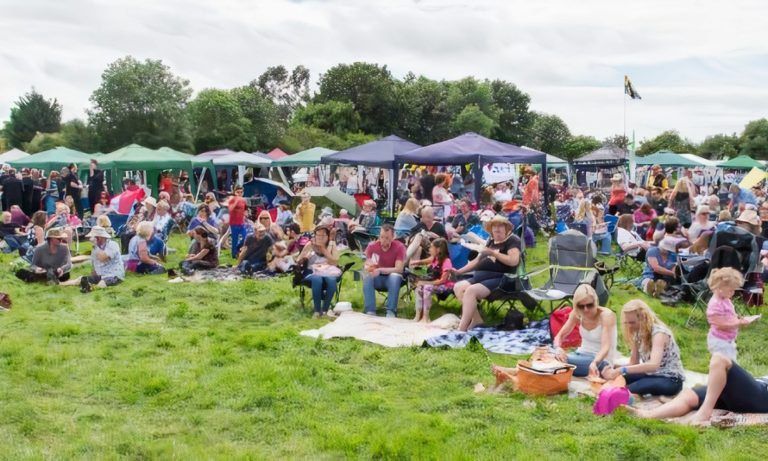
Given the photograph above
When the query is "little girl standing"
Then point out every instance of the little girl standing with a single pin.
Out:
(724, 324)
(439, 271)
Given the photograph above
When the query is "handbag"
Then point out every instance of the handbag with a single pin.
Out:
(551, 381)
(326, 270)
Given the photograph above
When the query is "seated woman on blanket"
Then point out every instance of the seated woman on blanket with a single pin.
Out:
(204, 219)
(438, 278)
(202, 253)
(500, 256)
(729, 387)
(597, 327)
(655, 367)
(139, 260)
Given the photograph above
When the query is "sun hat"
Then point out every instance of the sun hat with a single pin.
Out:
(498, 219)
(617, 177)
(55, 233)
(150, 201)
(749, 217)
(668, 244)
(98, 231)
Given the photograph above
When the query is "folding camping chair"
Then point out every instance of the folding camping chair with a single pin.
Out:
(302, 285)
(730, 247)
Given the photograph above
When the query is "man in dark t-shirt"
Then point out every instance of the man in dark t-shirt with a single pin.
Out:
(253, 254)
(423, 234)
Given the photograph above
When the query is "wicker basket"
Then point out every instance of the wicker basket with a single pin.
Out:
(537, 382)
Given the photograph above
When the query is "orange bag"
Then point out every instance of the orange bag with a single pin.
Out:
(538, 382)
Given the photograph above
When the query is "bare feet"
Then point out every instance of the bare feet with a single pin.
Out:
(636, 412)
(425, 319)
(701, 418)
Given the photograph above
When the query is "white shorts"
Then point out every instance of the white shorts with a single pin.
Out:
(721, 346)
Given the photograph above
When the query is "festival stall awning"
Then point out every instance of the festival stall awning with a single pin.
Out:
(667, 158)
(380, 153)
(276, 154)
(702, 160)
(226, 157)
(309, 157)
(13, 154)
(742, 162)
(470, 148)
(266, 187)
(605, 156)
(53, 159)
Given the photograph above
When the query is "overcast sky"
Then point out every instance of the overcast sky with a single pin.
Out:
(700, 66)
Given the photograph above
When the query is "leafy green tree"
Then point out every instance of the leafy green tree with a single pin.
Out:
(299, 136)
(618, 140)
(719, 146)
(266, 127)
(288, 90)
(335, 117)
(754, 139)
(424, 117)
(32, 114)
(141, 102)
(549, 134)
(668, 140)
(514, 119)
(44, 141)
(371, 90)
(472, 118)
(579, 145)
(470, 91)
(218, 122)
(78, 135)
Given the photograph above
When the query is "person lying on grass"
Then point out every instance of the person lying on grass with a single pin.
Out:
(654, 367)
(500, 256)
(438, 279)
(202, 253)
(108, 269)
(729, 387)
(597, 326)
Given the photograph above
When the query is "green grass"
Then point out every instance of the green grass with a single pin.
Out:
(151, 370)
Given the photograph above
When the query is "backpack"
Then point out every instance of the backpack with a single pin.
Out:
(514, 320)
(556, 321)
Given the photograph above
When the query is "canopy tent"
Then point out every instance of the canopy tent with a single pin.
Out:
(276, 154)
(742, 162)
(266, 187)
(472, 148)
(309, 157)
(667, 158)
(13, 154)
(604, 156)
(54, 159)
(138, 158)
(226, 157)
(552, 161)
(379, 153)
(329, 196)
(704, 161)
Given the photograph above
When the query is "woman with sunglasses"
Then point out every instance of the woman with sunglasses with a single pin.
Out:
(597, 327)
(654, 367)
(102, 206)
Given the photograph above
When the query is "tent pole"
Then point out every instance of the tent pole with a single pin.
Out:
(478, 174)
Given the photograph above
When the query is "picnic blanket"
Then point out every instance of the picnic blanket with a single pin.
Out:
(516, 342)
(220, 274)
(388, 332)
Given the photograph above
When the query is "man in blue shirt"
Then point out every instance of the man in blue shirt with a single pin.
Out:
(741, 196)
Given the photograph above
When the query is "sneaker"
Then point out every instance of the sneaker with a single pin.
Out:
(331, 314)
(661, 286)
(371, 313)
(650, 288)
(316, 315)
(391, 315)
(52, 278)
(85, 286)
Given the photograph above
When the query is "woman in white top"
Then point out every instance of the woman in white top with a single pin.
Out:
(700, 223)
(597, 326)
(630, 241)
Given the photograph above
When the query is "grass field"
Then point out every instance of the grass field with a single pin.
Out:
(151, 370)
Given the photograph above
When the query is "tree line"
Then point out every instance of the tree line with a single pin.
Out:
(144, 102)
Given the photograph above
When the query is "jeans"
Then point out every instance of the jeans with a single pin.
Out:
(247, 267)
(144, 268)
(605, 242)
(642, 384)
(94, 279)
(390, 282)
(238, 237)
(318, 284)
(17, 242)
(582, 361)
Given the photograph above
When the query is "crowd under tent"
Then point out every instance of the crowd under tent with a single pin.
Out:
(597, 167)
(54, 159)
(226, 159)
(258, 187)
(309, 158)
(476, 150)
(13, 154)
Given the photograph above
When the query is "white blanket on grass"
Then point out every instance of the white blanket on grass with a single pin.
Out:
(388, 332)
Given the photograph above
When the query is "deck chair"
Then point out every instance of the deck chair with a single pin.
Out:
(730, 247)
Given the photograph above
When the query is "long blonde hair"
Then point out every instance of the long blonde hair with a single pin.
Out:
(582, 293)
(584, 211)
(411, 206)
(646, 320)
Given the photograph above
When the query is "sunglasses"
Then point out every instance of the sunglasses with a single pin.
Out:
(585, 306)
(264, 219)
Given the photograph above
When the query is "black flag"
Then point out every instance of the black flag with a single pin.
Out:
(629, 89)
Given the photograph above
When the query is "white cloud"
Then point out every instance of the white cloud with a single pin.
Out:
(699, 65)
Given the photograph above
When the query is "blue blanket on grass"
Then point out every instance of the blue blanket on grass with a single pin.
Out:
(516, 342)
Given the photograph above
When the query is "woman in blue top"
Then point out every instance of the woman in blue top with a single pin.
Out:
(659, 270)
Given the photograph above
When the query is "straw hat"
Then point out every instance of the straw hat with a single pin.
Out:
(617, 177)
(498, 219)
(55, 233)
(98, 231)
(150, 201)
(749, 217)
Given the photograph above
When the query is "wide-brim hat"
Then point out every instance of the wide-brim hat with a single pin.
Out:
(98, 231)
(617, 177)
(750, 217)
(150, 201)
(498, 219)
(55, 233)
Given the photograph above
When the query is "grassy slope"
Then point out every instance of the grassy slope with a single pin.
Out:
(154, 370)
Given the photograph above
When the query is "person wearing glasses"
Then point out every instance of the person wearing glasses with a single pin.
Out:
(597, 327)
(655, 367)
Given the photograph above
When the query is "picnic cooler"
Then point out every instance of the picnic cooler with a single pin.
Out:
(552, 381)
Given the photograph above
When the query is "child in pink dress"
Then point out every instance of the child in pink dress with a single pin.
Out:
(724, 324)
(439, 271)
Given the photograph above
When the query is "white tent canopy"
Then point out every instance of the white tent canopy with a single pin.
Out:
(702, 160)
(13, 154)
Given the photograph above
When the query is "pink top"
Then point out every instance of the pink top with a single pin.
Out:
(389, 258)
(639, 216)
(724, 310)
(447, 266)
